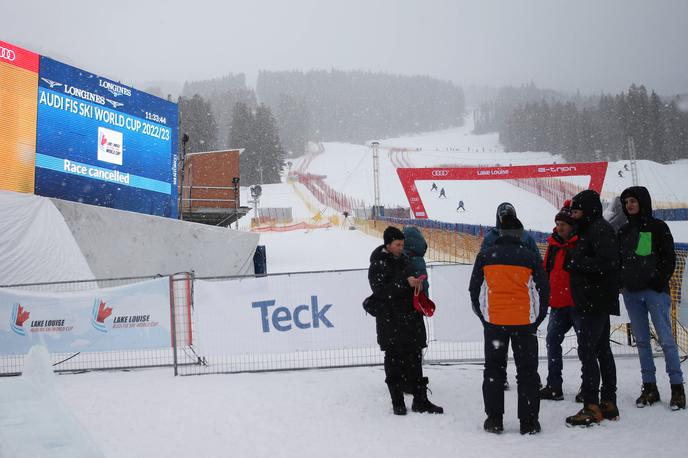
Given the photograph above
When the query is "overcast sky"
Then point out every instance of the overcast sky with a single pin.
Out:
(590, 45)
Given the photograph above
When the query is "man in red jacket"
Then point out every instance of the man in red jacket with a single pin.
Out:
(562, 315)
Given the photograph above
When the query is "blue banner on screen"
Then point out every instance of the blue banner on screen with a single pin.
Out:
(103, 143)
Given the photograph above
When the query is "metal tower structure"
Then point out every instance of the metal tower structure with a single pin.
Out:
(632, 157)
(376, 177)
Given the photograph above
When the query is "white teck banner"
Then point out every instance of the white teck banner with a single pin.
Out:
(126, 317)
(283, 313)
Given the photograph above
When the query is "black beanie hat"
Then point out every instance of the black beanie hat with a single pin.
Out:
(391, 234)
(565, 214)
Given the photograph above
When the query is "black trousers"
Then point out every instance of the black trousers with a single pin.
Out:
(597, 360)
(404, 369)
(525, 347)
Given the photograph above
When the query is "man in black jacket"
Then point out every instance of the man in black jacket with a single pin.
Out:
(510, 293)
(648, 261)
(594, 265)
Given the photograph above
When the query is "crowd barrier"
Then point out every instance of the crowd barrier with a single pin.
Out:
(236, 324)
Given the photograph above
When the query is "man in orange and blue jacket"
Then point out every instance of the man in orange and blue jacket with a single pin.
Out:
(510, 293)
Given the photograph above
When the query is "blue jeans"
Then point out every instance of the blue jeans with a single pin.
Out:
(561, 320)
(658, 305)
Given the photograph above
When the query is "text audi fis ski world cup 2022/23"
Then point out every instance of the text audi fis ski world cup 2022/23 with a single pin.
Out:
(103, 143)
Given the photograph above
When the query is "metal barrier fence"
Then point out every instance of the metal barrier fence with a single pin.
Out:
(200, 347)
(85, 360)
(227, 351)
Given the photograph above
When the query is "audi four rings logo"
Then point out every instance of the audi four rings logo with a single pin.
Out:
(7, 54)
(440, 173)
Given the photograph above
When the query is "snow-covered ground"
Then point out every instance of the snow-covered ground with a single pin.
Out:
(345, 412)
(339, 413)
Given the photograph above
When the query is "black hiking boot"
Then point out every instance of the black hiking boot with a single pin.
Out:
(493, 424)
(587, 416)
(552, 394)
(609, 410)
(648, 396)
(678, 397)
(398, 404)
(421, 404)
(579, 396)
(530, 427)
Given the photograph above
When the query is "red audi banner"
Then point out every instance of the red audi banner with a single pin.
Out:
(18, 57)
(408, 177)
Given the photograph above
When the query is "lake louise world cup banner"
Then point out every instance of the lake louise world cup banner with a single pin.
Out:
(127, 317)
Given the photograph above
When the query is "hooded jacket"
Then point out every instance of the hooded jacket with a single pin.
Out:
(415, 248)
(494, 233)
(559, 279)
(508, 285)
(646, 246)
(399, 326)
(594, 262)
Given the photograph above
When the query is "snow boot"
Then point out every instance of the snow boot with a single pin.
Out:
(494, 424)
(530, 427)
(398, 404)
(648, 396)
(587, 416)
(421, 404)
(579, 396)
(552, 394)
(678, 397)
(609, 410)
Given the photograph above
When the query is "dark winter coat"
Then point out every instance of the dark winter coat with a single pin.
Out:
(415, 247)
(559, 278)
(508, 285)
(646, 247)
(399, 326)
(493, 234)
(594, 262)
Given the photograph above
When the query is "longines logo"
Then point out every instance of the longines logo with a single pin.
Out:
(7, 54)
(51, 83)
(114, 89)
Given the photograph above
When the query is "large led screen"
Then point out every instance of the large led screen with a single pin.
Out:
(18, 86)
(103, 143)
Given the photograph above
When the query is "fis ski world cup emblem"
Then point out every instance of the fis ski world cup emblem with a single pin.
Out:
(19, 316)
(99, 314)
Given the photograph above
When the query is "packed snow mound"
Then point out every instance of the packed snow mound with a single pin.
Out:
(34, 422)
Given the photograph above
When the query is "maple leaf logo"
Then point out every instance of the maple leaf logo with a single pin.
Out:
(22, 316)
(103, 312)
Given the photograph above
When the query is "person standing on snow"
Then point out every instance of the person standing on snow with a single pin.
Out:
(504, 209)
(509, 293)
(593, 265)
(400, 328)
(648, 261)
(442, 194)
(562, 314)
(461, 207)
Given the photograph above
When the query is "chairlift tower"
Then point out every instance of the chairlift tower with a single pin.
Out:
(632, 160)
(376, 177)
